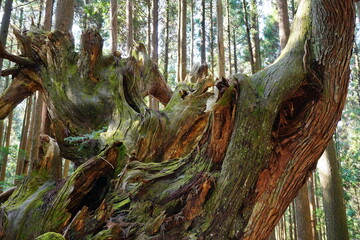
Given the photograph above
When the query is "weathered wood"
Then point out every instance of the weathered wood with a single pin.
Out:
(181, 172)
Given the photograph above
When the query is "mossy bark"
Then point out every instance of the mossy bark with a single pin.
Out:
(223, 160)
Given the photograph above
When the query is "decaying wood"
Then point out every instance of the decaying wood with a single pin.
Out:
(223, 159)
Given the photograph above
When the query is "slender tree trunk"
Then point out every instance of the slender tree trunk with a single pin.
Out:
(331, 185)
(229, 34)
(23, 140)
(284, 25)
(129, 25)
(290, 222)
(303, 219)
(182, 60)
(248, 37)
(29, 139)
(64, 15)
(166, 60)
(294, 219)
(148, 35)
(220, 39)
(272, 236)
(317, 206)
(255, 34)
(4, 28)
(5, 156)
(49, 6)
(235, 53)
(113, 20)
(192, 3)
(154, 104)
(310, 185)
(34, 160)
(212, 37)
(203, 33)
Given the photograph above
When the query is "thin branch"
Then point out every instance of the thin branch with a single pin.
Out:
(16, 59)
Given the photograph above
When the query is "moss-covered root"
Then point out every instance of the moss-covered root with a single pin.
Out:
(50, 236)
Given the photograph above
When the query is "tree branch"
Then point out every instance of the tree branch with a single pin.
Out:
(21, 87)
(16, 59)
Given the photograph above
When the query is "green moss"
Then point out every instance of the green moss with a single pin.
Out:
(50, 236)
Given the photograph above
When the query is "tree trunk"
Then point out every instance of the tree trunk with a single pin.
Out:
(49, 7)
(235, 54)
(303, 219)
(223, 160)
(310, 186)
(331, 185)
(154, 104)
(5, 155)
(248, 37)
(212, 38)
(35, 138)
(166, 61)
(220, 39)
(203, 33)
(284, 25)
(182, 49)
(192, 24)
(114, 21)
(5, 22)
(148, 35)
(255, 38)
(229, 34)
(64, 15)
(23, 140)
(129, 26)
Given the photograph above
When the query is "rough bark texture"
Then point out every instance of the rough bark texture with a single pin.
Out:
(49, 5)
(223, 160)
(333, 200)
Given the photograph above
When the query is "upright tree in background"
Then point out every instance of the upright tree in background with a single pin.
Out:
(192, 25)
(182, 56)
(229, 34)
(4, 28)
(303, 218)
(129, 25)
(166, 60)
(331, 185)
(148, 32)
(312, 205)
(154, 104)
(255, 37)
(114, 21)
(5, 150)
(220, 39)
(211, 37)
(64, 15)
(284, 25)
(248, 37)
(203, 32)
(49, 8)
